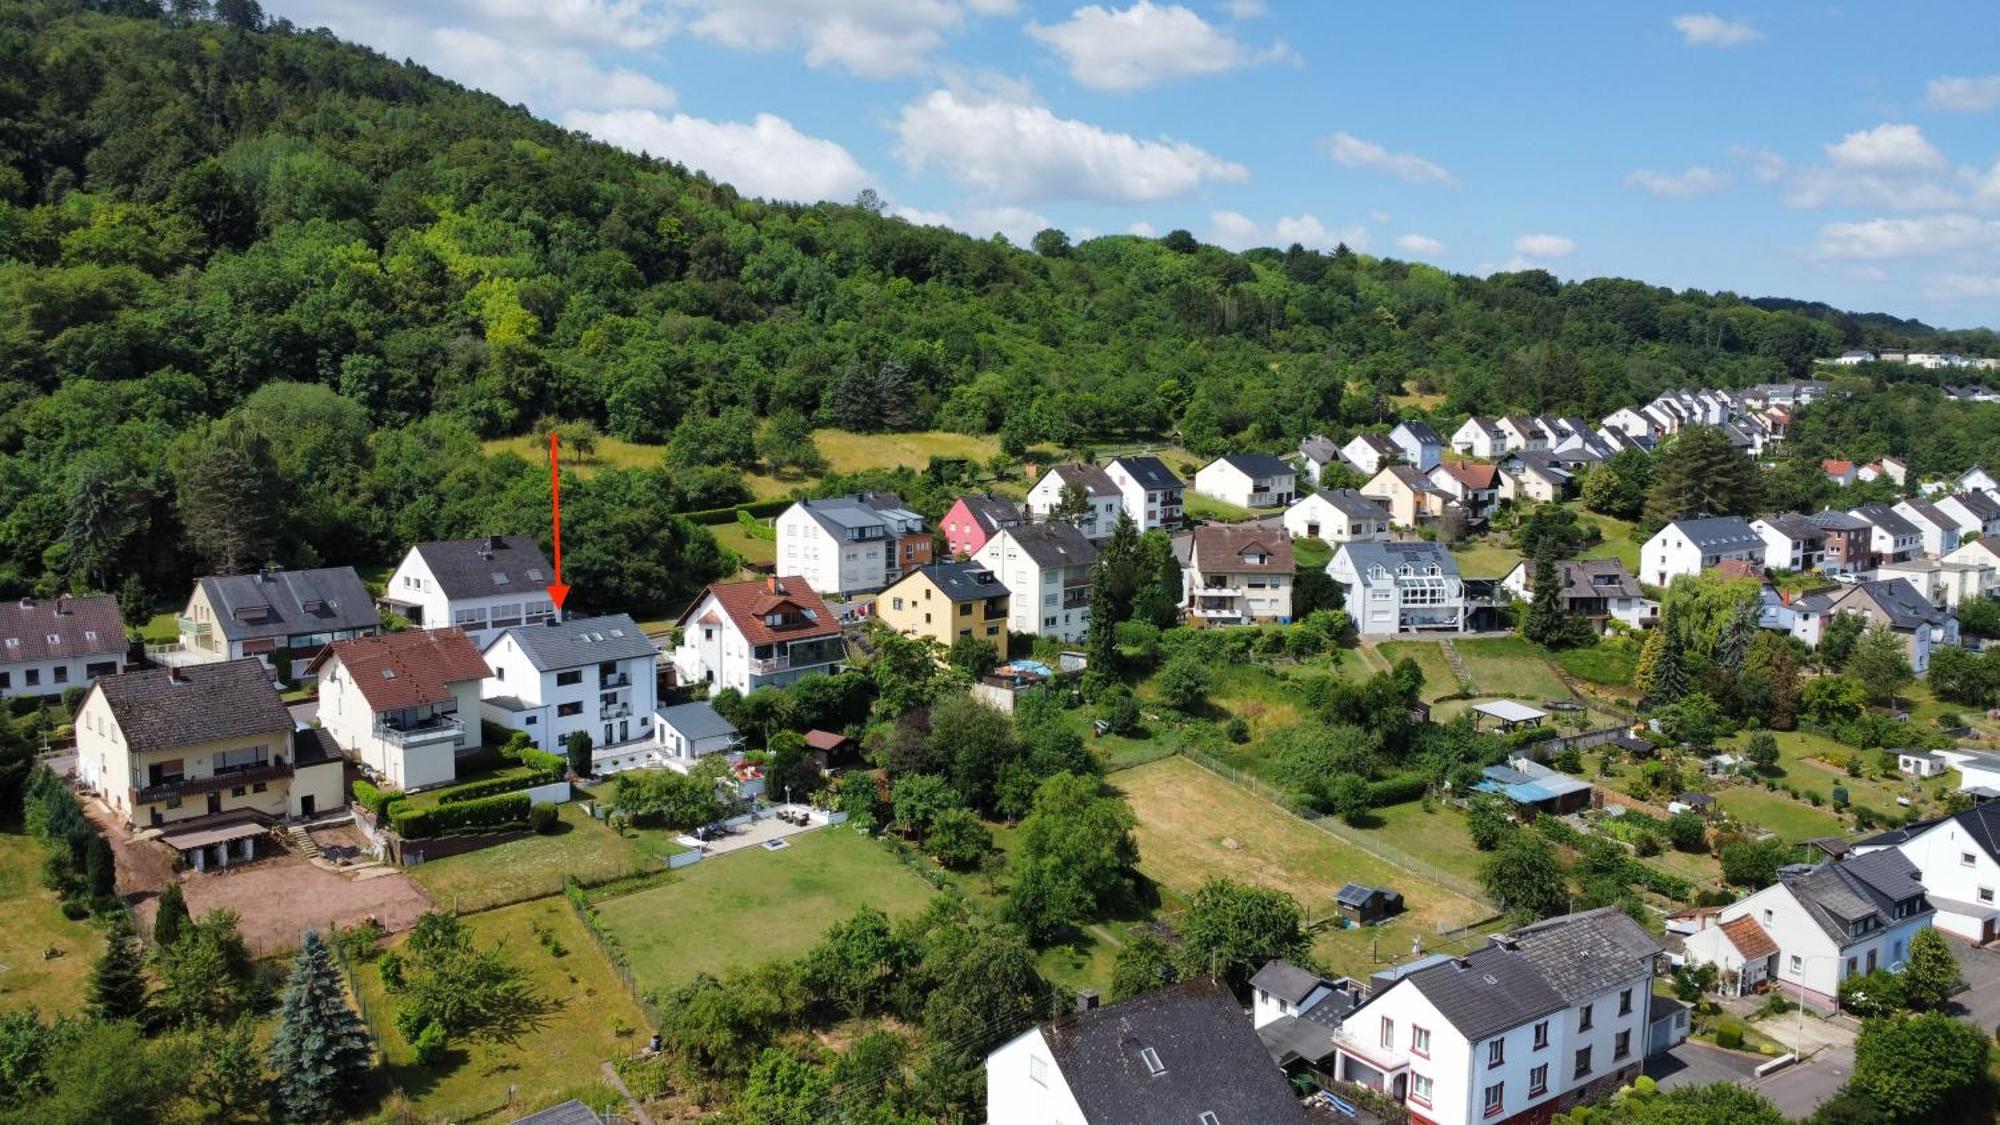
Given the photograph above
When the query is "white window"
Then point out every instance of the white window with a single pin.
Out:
(1495, 1096)
(1420, 1040)
(1496, 1052)
(1388, 1032)
(1797, 964)
(1151, 1058)
(1420, 1088)
(1038, 1070)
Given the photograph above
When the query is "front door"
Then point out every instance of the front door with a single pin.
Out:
(305, 804)
(214, 803)
(607, 735)
(624, 729)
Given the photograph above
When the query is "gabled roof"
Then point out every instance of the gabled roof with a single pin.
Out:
(163, 708)
(580, 641)
(840, 514)
(282, 603)
(1052, 544)
(1981, 822)
(1898, 600)
(396, 671)
(1256, 464)
(1831, 520)
(1379, 443)
(958, 581)
(498, 564)
(1886, 518)
(1590, 578)
(1319, 449)
(1836, 468)
(1420, 430)
(992, 512)
(747, 604)
(1171, 1054)
(1471, 474)
(1358, 895)
(1795, 527)
(1719, 532)
(697, 721)
(1923, 509)
(1486, 426)
(1978, 503)
(1487, 992)
(1221, 548)
(1838, 893)
(1413, 478)
(1350, 503)
(62, 628)
(1095, 481)
(1150, 473)
(1583, 954)
(1367, 553)
(1286, 981)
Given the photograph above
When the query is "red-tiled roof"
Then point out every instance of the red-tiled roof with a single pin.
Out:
(409, 669)
(1836, 468)
(1749, 938)
(825, 740)
(1471, 474)
(749, 603)
(1737, 568)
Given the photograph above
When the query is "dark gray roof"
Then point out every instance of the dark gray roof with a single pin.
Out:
(697, 721)
(1095, 481)
(1380, 444)
(1352, 503)
(164, 708)
(1364, 553)
(60, 629)
(1929, 512)
(1054, 544)
(1257, 465)
(1356, 895)
(1886, 518)
(1286, 981)
(1319, 449)
(840, 514)
(1420, 430)
(1832, 520)
(1150, 473)
(992, 512)
(572, 1112)
(1719, 532)
(1795, 527)
(960, 581)
(1663, 1007)
(1487, 426)
(581, 641)
(1210, 1061)
(1978, 503)
(1905, 607)
(285, 603)
(1837, 893)
(313, 745)
(1487, 992)
(500, 564)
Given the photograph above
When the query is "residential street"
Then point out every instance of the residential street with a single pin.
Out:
(1799, 1090)
(1980, 1002)
(1698, 1064)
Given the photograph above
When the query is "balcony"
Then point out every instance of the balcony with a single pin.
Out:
(436, 731)
(615, 680)
(770, 665)
(615, 711)
(1217, 612)
(1217, 591)
(169, 788)
(1078, 598)
(189, 627)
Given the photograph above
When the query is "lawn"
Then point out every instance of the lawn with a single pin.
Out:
(590, 1018)
(1484, 558)
(850, 453)
(753, 905)
(1790, 819)
(1814, 762)
(1511, 666)
(753, 548)
(1194, 826)
(162, 628)
(1617, 544)
(35, 924)
(533, 866)
(1437, 837)
(1603, 663)
(1439, 680)
(1199, 507)
(611, 453)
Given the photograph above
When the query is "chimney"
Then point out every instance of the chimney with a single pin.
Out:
(62, 605)
(1086, 1000)
(493, 543)
(772, 585)
(267, 574)
(176, 674)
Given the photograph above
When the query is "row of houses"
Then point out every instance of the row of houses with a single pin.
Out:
(1933, 361)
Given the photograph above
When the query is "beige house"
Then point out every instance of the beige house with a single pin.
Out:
(282, 617)
(405, 705)
(1409, 494)
(1238, 575)
(206, 752)
(945, 601)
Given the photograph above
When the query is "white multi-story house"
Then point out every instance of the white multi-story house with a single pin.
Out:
(591, 674)
(1316, 453)
(479, 586)
(1943, 583)
(1418, 443)
(1597, 590)
(1893, 602)
(1238, 575)
(1810, 931)
(1982, 554)
(1399, 587)
(1474, 485)
(1852, 358)
(1248, 480)
(1891, 538)
(765, 632)
(1973, 512)
(1692, 546)
(1183, 1053)
(1150, 491)
(1791, 542)
(1958, 861)
(1046, 569)
(1976, 479)
(1632, 423)
(1522, 433)
(282, 617)
(1479, 437)
(1937, 531)
(48, 645)
(1103, 498)
(1367, 453)
(851, 544)
(1540, 1020)
(404, 705)
(1408, 494)
(1337, 516)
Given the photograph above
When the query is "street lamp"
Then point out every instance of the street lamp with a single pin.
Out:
(1805, 964)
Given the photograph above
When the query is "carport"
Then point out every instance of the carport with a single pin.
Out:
(216, 845)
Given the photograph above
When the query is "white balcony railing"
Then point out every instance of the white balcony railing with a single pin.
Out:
(428, 733)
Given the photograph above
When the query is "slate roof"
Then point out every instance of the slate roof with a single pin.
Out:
(1978, 503)
(163, 708)
(992, 512)
(1905, 607)
(499, 564)
(697, 721)
(1286, 981)
(1352, 503)
(1583, 954)
(840, 514)
(1257, 465)
(1379, 443)
(1835, 894)
(1749, 938)
(397, 671)
(1319, 449)
(1486, 426)
(284, 603)
(585, 640)
(81, 627)
(1719, 533)
(959, 581)
(1211, 1061)
(748, 603)
(1795, 527)
(1095, 481)
(1579, 579)
(572, 1112)
(1413, 478)
(1888, 519)
(1420, 430)
(1832, 520)
(1488, 991)
(1220, 549)
(1981, 822)
(1365, 553)
(1053, 544)
(1150, 473)
(1929, 513)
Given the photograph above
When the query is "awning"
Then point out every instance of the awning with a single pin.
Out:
(203, 837)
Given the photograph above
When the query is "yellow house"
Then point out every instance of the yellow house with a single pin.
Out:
(1409, 495)
(207, 753)
(946, 601)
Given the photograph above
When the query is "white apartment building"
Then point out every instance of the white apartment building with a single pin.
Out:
(1692, 546)
(1046, 569)
(1238, 575)
(589, 674)
(851, 544)
(49, 644)
(764, 632)
(480, 586)
(404, 705)
(1103, 498)
(1395, 587)
(1957, 863)
(1337, 516)
(1151, 492)
(1248, 480)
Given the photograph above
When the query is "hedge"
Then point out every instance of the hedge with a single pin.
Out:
(373, 799)
(481, 815)
(476, 790)
(1533, 735)
(1397, 789)
(545, 762)
(756, 508)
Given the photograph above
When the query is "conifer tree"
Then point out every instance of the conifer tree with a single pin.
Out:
(1670, 674)
(118, 982)
(321, 1053)
(1546, 622)
(170, 917)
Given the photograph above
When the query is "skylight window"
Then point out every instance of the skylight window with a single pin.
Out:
(1152, 1060)
(534, 574)
(499, 579)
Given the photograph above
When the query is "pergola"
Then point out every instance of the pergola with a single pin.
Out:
(213, 844)
(1510, 715)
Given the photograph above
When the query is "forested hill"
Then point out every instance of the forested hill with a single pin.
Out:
(261, 292)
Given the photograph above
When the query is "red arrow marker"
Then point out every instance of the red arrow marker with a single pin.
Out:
(557, 591)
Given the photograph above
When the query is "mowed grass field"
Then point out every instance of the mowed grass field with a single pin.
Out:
(34, 924)
(533, 865)
(586, 1009)
(1194, 826)
(752, 905)
(1511, 666)
(1438, 678)
(1793, 820)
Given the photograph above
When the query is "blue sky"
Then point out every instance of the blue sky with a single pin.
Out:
(1849, 154)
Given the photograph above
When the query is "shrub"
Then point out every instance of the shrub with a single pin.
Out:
(375, 800)
(1840, 796)
(1729, 1036)
(1396, 789)
(392, 971)
(430, 1044)
(543, 762)
(482, 815)
(1238, 731)
(544, 819)
(474, 790)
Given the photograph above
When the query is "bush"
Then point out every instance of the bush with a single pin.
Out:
(544, 820)
(483, 815)
(1396, 789)
(392, 971)
(1238, 731)
(543, 762)
(375, 800)
(430, 1044)
(1729, 1036)
(474, 790)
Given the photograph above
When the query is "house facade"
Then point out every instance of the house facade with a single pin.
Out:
(1973, 512)
(1479, 437)
(1407, 493)
(1367, 453)
(851, 544)
(404, 705)
(1791, 542)
(282, 617)
(48, 645)
(1891, 538)
(1046, 569)
(591, 674)
(1937, 531)
(1694, 545)
(1957, 863)
(689, 732)
(765, 632)
(1899, 605)
(1103, 499)
(945, 601)
(972, 520)
(1316, 453)
(1847, 542)
(1248, 480)
(1597, 590)
(1983, 555)
(1474, 485)
(1238, 575)
(478, 586)
(1418, 443)
(1337, 516)
(1151, 493)
(1395, 588)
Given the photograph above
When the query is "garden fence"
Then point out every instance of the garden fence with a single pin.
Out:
(579, 904)
(369, 1017)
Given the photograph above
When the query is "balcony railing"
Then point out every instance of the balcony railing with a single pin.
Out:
(615, 711)
(770, 665)
(615, 680)
(192, 786)
(430, 732)
(191, 627)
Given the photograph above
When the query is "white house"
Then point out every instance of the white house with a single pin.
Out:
(1150, 491)
(1248, 480)
(589, 674)
(690, 732)
(1921, 763)
(1046, 569)
(1540, 1020)
(1103, 498)
(1819, 927)
(851, 544)
(1937, 530)
(1337, 516)
(765, 632)
(1891, 538)
(1418, 443)
(480, 586)
(1791, 542)
(49, 644)
(1945, 584)
(1183, 1053)
(1694, 545)
(1853, 358)
(1973, 512)
(404, 705)
(1399, 587)
(1316, 453)
(1474, 485)
(1238, 574)
(1479, 437)
(1976, 479)
(1598, 590)
(1632, 423)
(1369, 452)
(1978, 771)
(1982, 554)
(1522, 433)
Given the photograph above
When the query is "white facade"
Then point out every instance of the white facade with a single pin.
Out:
(1672, 552)
(1809, 963)
(1151, 508)
(1221, 480)
(611, 701)
(714, 648)
(1367, 453)
(1981, 555)
(481, 618)
(421, 756)
(1478, 438)
(1522, 433)
(1100, 513)
(1968, 520)
(1399, 587)
(1048, 601)
(1025, 1087)
(1419, 445)
(1315, 517)
(831, 565)
(1936, 539)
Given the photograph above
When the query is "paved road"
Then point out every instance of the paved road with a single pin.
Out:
(1698, 1064)
(1980, 1002)
(1799, 1090)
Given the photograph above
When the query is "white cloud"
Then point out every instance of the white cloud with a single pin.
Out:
(917, 216)
(1706, 29)
(872, 38)
(1355, 152)
(1964, 286)
(625, 24)
(1145, 45)
(1882, 239)
(1966, 95)
(1378, 216)
(1233, 229)
(542, 77)
(1421, 244)
(1238, 231)
(1544, 246)
(1886, 148)
(1018, 224)
(767, 157)
(1143, 229)
(1020, 152)
(1891, 165)
(1766, 167)
(1986, 187)
(1244, 9)
(1696, 181)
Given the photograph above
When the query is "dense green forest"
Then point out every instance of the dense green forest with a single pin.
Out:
(263, 292)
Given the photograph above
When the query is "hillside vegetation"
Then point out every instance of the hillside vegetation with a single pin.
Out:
(263, 294)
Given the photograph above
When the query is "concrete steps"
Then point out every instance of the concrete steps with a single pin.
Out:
(303, 841)
(1458, 669)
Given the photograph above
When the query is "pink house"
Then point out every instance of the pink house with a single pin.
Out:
(972, 520)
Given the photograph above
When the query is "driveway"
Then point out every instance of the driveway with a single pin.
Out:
(1800, 1089)
(1699, 1064)
(1980, 1002)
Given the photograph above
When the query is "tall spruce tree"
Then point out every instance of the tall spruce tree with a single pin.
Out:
(1547, 620)
(321, 1053)
(170, 917)
(1701, 473)
(118, 982)
(1670, 674)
